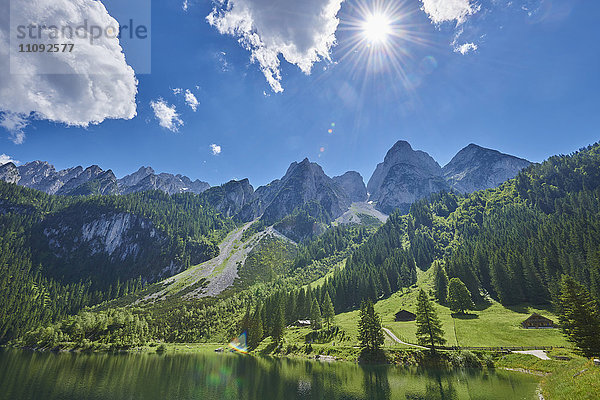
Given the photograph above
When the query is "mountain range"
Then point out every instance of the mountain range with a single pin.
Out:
(404, 176)
(407, 175)
(76, 181)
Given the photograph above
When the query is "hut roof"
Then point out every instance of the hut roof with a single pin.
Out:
(405, 315)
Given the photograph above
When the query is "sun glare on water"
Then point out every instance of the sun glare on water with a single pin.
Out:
(377, 28)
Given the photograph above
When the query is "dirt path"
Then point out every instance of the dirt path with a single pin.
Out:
(541, 354)
(395, 339)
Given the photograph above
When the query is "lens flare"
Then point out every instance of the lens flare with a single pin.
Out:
(239, 344)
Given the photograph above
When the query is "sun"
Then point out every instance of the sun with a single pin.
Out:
(377, 28)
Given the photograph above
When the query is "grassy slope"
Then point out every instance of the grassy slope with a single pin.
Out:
(494, 325)
(577, 379)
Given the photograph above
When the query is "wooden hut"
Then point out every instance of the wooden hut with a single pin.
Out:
(536, 320)
(404, 315)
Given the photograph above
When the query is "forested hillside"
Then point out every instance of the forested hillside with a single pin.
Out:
(512, 243)
(60, 254)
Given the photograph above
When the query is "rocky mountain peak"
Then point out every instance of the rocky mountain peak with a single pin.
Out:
(303, 183)
(404, 163)
(407, 175)
(475, 168)
(353, 184)
(136, 177)
(231, 197)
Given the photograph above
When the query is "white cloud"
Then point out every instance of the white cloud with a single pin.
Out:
(185, 5)
(5, 159)
(215, 148)
(95, 81)
(465, 48)
(15, 124)
(302, 31)
(191, 100)
(440, 11)
(222, 57)
(166, 114)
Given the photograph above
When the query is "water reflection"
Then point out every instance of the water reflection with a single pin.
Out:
(28, 375)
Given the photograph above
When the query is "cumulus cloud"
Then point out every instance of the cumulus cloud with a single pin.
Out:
(215, 148)
(302, 32)
(166, 115)
(465, 48)
(440, 11)
(5, 159)
(84, 87)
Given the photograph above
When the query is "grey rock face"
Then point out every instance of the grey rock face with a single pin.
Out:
(404, 177)
(303, 182)
(122, 238)
(196, 186)
(402, 153)
(477, 168)
(167, 183)
(9, 173)
(136, 177)
(42, 176)
(35, 172)
(230, 198)
(353, 184)
(111, 234)
(71, 187)
(103, 184)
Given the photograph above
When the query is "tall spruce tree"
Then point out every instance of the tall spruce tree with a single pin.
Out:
(256, 330)
(328, 311)
(440, 282)
(316, 321)
(429, 326)
(277, 321)
(370, 334)
(459, 297)
(579, 317)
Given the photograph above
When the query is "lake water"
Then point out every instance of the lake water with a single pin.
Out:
(66, 376)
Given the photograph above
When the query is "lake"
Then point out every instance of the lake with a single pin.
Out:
(66, 376)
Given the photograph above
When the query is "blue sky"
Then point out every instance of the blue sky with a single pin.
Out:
(531, 88)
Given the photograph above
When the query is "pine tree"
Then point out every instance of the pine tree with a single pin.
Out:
(440, 282)
(277, 321)
(579, 317)
(459, 297)
(256, 329)
(316, 322)
(429, 326)
(246, 321)
(370, 334)
(328, 311)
